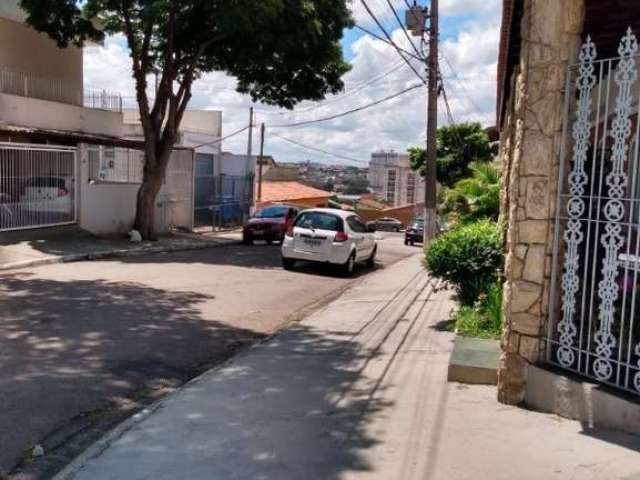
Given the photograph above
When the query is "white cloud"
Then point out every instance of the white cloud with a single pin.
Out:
(396, 124)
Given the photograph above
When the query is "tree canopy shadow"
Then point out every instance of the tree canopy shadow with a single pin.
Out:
(72, 347)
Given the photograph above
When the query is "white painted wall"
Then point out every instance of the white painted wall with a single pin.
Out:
(35, 113)
(109, 208)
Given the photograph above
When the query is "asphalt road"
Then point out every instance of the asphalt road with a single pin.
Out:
(84, 344)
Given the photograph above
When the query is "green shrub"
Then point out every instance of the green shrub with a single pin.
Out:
(469, 257)
(476, 197)
(483, 320)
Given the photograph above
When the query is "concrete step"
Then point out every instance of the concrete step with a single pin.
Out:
(474, 360)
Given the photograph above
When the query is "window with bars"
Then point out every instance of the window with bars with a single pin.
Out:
(115, 165)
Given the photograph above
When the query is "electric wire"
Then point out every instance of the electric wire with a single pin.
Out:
(233, 134)
(320, 150)
(386, 34)
(402, 27)
(382, 39)
(348, 112)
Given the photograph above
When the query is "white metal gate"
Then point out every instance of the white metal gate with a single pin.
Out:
(37, 186)
(594, 326)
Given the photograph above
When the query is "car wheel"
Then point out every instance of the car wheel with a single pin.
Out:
(406, 242)
(269, 241)
(349, 266)
(288, 263)
(247, 240)
(371, 261)
(412, 243)
(396, 229)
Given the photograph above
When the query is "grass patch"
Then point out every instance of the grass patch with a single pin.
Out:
(484, 319)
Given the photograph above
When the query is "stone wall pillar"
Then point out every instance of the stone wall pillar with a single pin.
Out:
(530, 144)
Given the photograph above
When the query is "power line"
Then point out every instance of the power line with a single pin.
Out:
(386, 34)
(320, 150)
(356, 89)
(378, 37)
(237, 132)
(463, 87)
(402, 27)
(354, 110)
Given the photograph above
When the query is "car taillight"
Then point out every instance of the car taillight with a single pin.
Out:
(341, 237)
(63, 192)
(289, 232)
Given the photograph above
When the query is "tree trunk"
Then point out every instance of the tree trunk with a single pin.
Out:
(146, 203)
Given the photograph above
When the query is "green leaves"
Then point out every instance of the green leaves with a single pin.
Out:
(476, 197)
(469, 257)
(281, 51)
(458, 146)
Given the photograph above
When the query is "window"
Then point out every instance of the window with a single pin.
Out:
(356, 225)
(411, 188)
(114, 164)
(320, 221)
(272, 212)
(391, 186)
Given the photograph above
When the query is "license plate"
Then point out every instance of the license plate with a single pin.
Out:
(312, 242)
(258, 232)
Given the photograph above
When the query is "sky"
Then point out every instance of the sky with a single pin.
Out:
(469, 35)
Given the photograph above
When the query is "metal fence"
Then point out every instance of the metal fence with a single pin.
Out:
(103, 100)
(221, 201)
(594, 325)
(115, 164)
(37, 186)
(55, 90)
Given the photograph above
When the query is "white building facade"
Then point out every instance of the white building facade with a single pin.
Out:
(391, 179)
(63, 156)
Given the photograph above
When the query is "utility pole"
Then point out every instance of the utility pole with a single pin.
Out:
(260, 161)
(430, 212)
(249, 145)
(416, 20)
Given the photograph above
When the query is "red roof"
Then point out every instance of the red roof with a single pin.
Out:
(289, 191)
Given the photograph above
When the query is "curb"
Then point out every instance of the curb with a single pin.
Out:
(115, 253)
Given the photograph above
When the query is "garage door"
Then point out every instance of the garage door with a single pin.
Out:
(37, 186)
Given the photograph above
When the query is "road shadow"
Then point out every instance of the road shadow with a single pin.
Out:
(259, 256)
(69, 349)
(296, 407)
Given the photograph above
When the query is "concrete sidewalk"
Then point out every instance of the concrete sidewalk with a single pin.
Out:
(355, 391)
(68, 244)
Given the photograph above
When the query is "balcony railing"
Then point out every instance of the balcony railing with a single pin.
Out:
(55, 90)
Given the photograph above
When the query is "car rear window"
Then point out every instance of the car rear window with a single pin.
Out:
(272, 212)
(46, 182)
(320, 221)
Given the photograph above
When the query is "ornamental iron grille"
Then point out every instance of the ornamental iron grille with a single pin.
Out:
(594, 326)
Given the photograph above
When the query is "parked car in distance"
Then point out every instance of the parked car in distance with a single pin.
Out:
(269, 223)
(414, 232)
(388, 224)
(332, 236)
(48, 194)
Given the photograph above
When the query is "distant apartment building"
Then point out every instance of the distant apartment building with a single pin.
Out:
(392, 180)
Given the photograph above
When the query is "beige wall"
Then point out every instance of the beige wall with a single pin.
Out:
(530, 139)
(35, 113)
(22, 49)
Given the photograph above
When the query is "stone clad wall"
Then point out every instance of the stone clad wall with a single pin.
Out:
(530, 144)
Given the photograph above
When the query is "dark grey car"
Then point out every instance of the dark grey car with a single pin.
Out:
(388, 224)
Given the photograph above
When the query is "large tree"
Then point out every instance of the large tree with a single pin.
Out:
(280, 51)
(458, 146)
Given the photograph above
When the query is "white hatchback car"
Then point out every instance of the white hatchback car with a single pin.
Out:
(326, 235)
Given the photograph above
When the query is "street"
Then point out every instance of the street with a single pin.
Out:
(83, 345)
